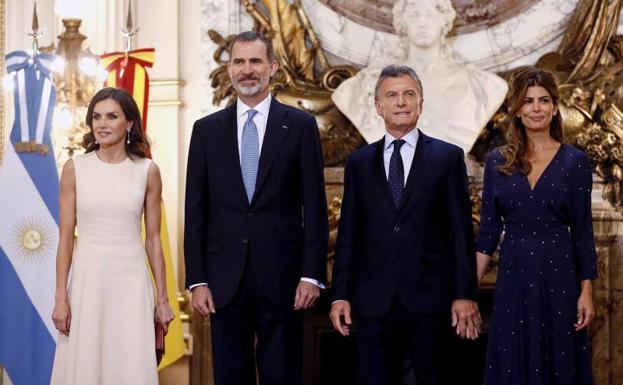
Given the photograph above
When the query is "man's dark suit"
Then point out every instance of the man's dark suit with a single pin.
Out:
(261, 249)
(411, 261)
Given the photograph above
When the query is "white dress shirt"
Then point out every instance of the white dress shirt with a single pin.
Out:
(260, 119)
(407, 151)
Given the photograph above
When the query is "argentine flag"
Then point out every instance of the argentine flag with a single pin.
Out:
(29, 210)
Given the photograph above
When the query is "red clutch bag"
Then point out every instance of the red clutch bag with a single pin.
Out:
(159, 342)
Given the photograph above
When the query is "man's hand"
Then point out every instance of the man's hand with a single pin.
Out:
(466, 318)
(201, 300)
(341, 309)
(306, 294)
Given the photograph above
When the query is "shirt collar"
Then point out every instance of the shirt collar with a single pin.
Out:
(261, 108)
(411, 139)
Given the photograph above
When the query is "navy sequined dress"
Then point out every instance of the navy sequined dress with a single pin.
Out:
(548, 248)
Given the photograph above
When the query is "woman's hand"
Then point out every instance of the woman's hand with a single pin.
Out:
(61, 316)
(586, 309)
(164, 314)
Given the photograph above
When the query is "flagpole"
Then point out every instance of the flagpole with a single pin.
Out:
(129, 32)
(35, 34)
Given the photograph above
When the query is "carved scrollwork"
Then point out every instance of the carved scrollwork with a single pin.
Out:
(333, 77)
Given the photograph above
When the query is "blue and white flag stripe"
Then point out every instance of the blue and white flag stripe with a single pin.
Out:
(34, 101)
(27, 360)
(27, 334)
(23, 209)
(21, 106)
(29, 208)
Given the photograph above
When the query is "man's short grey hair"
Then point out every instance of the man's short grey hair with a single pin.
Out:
(249, 36)
(394, 71)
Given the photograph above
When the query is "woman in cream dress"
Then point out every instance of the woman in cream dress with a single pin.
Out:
(106, 317)
(458, 100)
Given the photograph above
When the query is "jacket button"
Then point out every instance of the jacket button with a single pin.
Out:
(250, 215)
(245, 241)
(396, 229)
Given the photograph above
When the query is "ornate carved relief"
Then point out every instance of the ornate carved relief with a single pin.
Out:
(472, 15)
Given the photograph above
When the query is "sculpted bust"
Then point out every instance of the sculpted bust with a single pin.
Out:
(458, 100)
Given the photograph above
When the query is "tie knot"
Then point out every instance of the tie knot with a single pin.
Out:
(398, 143)
(251, 113)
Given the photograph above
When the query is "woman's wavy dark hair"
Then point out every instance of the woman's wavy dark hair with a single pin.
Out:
(139, 145)
(516, 148)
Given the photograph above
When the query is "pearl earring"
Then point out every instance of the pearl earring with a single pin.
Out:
(128, 137)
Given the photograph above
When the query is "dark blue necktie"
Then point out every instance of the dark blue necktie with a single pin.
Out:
(396, 176)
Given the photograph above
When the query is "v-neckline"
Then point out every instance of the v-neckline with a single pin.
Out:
(532, 188)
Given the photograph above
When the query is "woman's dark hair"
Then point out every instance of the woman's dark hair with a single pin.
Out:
(139, 145)
(516, 148)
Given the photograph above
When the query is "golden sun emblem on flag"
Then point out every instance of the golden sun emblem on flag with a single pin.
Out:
(32, 239)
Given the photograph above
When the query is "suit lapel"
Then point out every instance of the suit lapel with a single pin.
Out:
(231, 155)
(276, 132)
(379, 170)
(419, 162)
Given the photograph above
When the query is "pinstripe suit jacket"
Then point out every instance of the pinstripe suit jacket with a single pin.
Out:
(282, 233)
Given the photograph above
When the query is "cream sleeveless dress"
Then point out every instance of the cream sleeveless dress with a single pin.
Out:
(111, 337)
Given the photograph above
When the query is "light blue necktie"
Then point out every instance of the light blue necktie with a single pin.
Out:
(249, 154)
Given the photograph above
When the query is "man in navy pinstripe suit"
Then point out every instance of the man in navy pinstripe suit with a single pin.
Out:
(256, 224)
